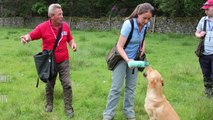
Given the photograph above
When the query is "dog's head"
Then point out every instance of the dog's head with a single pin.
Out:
(154, 77)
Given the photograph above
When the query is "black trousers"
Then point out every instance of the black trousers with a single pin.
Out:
(206, 64)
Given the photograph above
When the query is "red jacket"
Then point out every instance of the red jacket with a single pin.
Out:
(48, 34)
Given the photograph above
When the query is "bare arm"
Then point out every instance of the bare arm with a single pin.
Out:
(73, 45)
(200, 34)
(143, 48)
(120, 46)
(25, 38)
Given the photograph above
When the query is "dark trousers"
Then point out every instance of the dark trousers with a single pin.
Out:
(206, 64)
(63, 69)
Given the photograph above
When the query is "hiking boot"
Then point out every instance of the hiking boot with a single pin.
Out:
(208, 84)
(209, 91)
(107, 118)
(49, 108)
(131, 119)
(70, 113)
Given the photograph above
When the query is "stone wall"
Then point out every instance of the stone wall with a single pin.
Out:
(95, 24)
(176, 25)
(11, 22)
(184, 25)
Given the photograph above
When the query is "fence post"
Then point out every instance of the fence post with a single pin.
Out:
(153, 26)
(110, 21)
(69, 21)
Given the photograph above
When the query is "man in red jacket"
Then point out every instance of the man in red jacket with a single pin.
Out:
(48, 32)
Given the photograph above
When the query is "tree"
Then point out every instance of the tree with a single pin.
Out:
(179, 8)
(40, 8)
(192, 8)
(100, 8)
(16, 8)
(91, 8)
(66, 6)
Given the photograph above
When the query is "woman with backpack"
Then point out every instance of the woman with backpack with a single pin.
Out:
(141, 17)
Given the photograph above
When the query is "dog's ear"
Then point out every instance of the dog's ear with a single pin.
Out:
(162, 82)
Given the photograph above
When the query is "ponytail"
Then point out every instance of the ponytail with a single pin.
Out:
(140, 9)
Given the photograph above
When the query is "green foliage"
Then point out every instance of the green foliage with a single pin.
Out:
(179, 8)
(12, 8)
(40, 8)
(66, 6)
(101, 8)
(193, 7)
(171, 54)
(91, 8)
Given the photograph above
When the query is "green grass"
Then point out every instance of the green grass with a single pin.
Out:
(171, 54)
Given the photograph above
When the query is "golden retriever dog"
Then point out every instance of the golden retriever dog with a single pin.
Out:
(156, 104)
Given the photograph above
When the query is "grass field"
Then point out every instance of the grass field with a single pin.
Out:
(171, 54)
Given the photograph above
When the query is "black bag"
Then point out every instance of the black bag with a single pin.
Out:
(45, 62)
(45, 65)
(113, 57)
(200, 47)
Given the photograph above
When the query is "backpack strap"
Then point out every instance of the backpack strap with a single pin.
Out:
(130, 34)
(204, 25)
(58, 37)
(204, 29)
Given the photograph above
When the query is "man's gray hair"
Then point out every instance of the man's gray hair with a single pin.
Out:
(51, 9)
